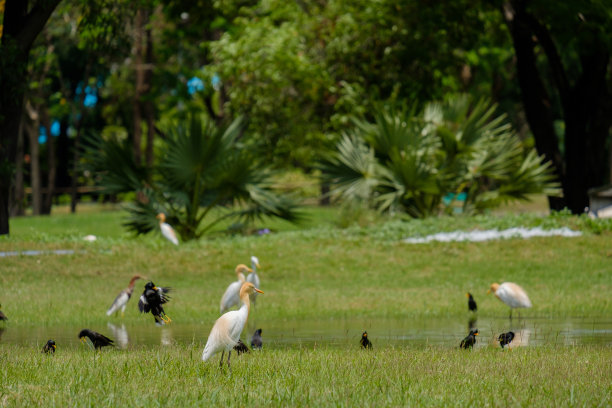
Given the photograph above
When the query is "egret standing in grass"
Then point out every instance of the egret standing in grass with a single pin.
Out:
(511, 294)
(227, 329)
(231, 296)
(123, 297)
(166, 230)
(253, 277)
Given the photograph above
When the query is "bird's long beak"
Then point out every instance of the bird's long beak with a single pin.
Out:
(250, 270)
(467, 295)
(257, 265)
(154, 287)
(475, 334)
(257, 290)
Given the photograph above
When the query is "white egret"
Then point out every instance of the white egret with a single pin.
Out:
(511, 294)
(227, 329)
(123, 297)
(166, 230)
(231, 296)
(253, 277)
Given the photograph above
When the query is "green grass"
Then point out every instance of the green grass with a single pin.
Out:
(175, 376)
(312, 271)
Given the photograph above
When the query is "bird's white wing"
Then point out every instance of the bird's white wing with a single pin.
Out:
(142, 302)
(121, 299)
(169, 233)
(231, 296)
(513, 295)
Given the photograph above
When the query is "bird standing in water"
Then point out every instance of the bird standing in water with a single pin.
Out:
(231, 296)
(152, 300)
(505, 339)
(123, 297)
(469, 341)
(511, 294)
(2, 315)
(256, 342)
(166, 230)
(97, 339)
(49, 347)
(253, 277)
(227, 329)
(471, 302)
(365, 342)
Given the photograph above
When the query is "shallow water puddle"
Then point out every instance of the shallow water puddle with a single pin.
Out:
(339, 333)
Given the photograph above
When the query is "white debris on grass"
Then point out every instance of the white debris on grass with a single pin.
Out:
(487, 235)
(90, 238)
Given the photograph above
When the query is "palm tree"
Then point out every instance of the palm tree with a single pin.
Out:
(201, 167)
(409, 162)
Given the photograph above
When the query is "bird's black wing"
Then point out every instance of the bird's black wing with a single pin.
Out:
(102, 339)
(163, 295)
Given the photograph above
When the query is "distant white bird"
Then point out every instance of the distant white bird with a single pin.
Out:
(511, 294)
(122, 298)
(166, 230)
(231, 296)
(227, 329)
(254, 278)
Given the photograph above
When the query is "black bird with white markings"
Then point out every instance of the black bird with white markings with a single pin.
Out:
(256, 342)
(49, 347)
(365, 342)
(97, 339)
(505, 339)
(471, 302)
(469, 340)
(152, 300)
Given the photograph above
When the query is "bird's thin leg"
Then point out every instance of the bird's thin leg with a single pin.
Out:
(228, 361)
(221, 362)
(510, 313)
(165, 318)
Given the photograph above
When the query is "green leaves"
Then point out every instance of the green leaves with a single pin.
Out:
(201, 167)
(408, 162)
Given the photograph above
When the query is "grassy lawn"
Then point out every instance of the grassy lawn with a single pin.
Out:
(312, 271)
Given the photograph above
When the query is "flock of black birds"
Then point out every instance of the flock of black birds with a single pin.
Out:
(153, 297)
(468, 342)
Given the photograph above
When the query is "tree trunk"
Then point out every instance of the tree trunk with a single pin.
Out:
(536, 101)
(149, 108)
(16, 202)
(33, 129)
(51, 162)
(19, 31)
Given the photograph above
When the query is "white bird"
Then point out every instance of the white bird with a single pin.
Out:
(227, 329)
(123, 297)
(511, 294)
(253, 277)
(231, 296)
(166, 230)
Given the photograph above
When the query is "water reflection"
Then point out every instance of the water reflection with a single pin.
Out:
(287, 334)
(120, 335)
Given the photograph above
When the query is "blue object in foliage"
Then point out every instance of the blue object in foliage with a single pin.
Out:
(42, 135)
(194, 85)
(55, 128)
(447, 199)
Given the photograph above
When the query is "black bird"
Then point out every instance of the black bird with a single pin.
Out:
(2, 315)
(256, 342)
(152, 300)
(505, 339)
(470, 340)
(471, 302)
(365, 342)
(98, 340)
(240, 347)
(49, 347)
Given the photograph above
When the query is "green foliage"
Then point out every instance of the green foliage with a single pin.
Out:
(409, 162)
(201, 167)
